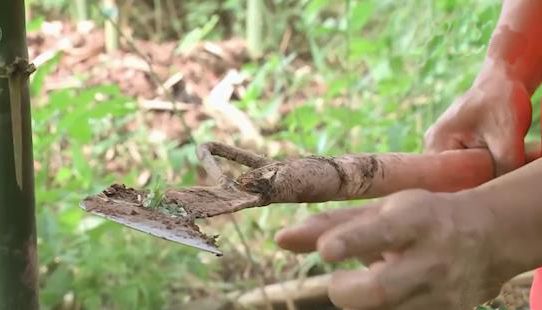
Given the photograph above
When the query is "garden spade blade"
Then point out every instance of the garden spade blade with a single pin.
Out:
(125, 206)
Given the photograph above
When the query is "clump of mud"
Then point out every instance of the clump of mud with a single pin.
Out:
(142, 206)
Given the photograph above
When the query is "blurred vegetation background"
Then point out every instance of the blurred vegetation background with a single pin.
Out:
(309, 77)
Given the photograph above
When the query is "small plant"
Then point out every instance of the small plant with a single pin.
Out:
(156, 200)
(173, 210)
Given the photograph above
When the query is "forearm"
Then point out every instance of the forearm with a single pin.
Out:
(515, 203)
(516, 44)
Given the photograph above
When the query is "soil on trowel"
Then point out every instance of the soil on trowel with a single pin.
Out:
(202, 202)
(119, 200)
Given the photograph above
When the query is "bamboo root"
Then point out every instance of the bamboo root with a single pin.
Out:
(321, 179)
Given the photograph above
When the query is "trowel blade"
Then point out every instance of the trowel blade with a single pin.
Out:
(130, 216)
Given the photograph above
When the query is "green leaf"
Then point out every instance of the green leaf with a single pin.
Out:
(82, 169)
(70, 218)
(196, 35)
(58, 284)
(63, 175)
(360, 47)
(313, 9)
(35, 24)
(360, 14)
(304, 117)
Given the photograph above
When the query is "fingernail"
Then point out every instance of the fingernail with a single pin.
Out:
(333, 250)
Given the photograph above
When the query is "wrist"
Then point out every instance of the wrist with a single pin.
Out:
(513, 245)
(496, 68)
(476, 220)
(497, 84)
(496, 71)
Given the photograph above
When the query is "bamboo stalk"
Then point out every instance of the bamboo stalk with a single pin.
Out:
(81, 10)
(111, 31)
(18, 266)
(254, 27)
(158, 20)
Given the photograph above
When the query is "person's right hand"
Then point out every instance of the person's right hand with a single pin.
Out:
(495, 114)
(422, 250)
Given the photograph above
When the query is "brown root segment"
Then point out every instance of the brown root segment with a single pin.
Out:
(320, 179)
(237, 155)
(205, 154)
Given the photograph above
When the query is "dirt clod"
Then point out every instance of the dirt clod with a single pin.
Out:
(119, 201)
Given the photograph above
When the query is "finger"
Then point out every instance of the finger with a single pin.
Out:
(302, 238)
(508, 152)
(365, 235)
(508, 146)
(385, 286)
(436, 143)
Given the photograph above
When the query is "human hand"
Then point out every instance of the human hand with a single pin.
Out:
(423, 251)
(495, 114)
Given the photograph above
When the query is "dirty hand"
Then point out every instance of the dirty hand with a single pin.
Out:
(424, 251)
(495, 114)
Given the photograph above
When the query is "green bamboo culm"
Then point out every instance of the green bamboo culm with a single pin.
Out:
(18, 257)
(254, 28)
(111, 12)
(81, 9)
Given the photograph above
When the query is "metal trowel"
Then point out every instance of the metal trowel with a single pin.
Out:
(126, 207)
(174, 218)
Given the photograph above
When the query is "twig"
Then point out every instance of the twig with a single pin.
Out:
(173, 80)
(211, 167)
(158, 18)
(237, 155)
(205, 154)
(314, 288)
(286, 39)
(217, 104)
(161, 105)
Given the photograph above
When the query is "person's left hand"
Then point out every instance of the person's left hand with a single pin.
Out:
(423, 251)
